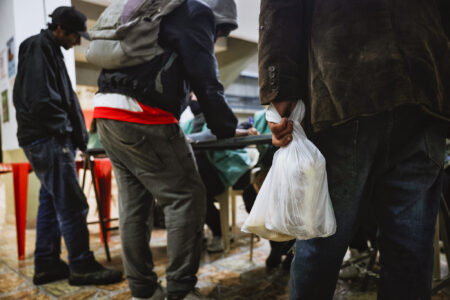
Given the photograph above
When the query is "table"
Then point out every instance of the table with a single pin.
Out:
(101, 172)
(233, 142)
(102, 199)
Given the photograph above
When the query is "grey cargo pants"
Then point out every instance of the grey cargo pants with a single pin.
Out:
(155, 161)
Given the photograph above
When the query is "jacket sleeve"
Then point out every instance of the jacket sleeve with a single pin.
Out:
(282, 58)
(39, 89)
(194, 43)
(80, 135)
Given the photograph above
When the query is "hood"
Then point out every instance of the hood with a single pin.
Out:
(225, 13)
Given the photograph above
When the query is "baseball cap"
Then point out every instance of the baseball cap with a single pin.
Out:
(70, 19)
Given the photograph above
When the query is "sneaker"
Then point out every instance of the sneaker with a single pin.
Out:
(192, 295)
(157, 295)
(348, 273)
(215, 245)
(49, 271)
(94, 273)
(273, 261)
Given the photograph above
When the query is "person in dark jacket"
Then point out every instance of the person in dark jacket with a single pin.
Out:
(375, 75)
(136, 110)
(50, 128)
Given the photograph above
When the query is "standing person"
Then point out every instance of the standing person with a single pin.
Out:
(50, 128)
(375, 75)
(137, 124)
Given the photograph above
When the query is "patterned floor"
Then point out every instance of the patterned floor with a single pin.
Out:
(232, 276)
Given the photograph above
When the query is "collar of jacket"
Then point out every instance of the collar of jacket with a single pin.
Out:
(49, 36)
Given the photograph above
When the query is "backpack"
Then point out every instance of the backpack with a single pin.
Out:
(126, 33)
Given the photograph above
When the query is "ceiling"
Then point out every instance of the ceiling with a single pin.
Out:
(248, 11)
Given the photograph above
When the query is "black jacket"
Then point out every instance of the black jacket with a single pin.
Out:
(188, 35)
(46, 105)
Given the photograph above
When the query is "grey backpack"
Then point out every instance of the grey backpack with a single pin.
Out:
(126, 33)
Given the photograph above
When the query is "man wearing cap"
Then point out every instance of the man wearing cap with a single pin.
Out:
(50, 129)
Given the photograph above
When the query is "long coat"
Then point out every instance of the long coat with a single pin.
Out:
(350, 58)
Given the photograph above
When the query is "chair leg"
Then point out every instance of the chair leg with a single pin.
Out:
(85, 167)
(444, 222)
(99, 209)
(436, 257)
(252, 236)
(224, 222)
(233, 207)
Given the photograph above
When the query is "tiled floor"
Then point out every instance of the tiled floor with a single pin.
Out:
(231, 276)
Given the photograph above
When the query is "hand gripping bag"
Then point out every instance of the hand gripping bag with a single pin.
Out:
(293, 201)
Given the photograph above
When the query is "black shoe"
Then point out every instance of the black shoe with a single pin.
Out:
(92, 272)
(273, 261)
(192, 295)
(49, 271)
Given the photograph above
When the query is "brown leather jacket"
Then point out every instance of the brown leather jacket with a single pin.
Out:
(353, 58)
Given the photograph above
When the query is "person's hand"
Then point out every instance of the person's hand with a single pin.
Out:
(281, 132)
(245, 132)
(253, 131)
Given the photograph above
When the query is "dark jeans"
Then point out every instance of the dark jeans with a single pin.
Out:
(394, 160)
(62, 204)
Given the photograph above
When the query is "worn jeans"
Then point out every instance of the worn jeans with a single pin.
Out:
(62, 205)
(392, 161)
(155, 161)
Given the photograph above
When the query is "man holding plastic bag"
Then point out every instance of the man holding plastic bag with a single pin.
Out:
(374, 76)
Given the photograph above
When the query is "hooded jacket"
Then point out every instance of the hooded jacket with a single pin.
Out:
(187, 35)
(225, 13)
(353, 58)
(45, 103)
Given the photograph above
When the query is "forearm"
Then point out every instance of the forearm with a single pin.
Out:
(281, 51)
(197, 52)
(218, 114)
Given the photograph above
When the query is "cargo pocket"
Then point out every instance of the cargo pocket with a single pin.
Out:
(182, 149)
(142, 152)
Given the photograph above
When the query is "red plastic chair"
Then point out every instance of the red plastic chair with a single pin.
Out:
(20, 181)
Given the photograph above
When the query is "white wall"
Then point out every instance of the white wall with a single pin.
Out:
(248, 14)
(21, 19)
(7, 30)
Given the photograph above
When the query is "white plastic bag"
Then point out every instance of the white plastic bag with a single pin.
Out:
(293, 201)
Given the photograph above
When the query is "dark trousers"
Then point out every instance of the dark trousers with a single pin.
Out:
(214, 187)
(155, 161)
(393, 159)
(62, 205)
